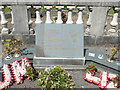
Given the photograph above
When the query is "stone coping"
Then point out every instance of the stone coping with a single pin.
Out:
(62, 2)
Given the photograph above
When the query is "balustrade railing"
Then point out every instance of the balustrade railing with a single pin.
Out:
(113, 30)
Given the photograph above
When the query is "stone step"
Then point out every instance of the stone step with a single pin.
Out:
(54, 62)
(66, 67)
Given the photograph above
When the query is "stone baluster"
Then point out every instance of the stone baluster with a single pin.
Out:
(3, 22)
(105, 30)
(69, 20)
(48, 19)
(114, 23)
(30, 22)
(12, 21)
(38, 19)
(59, 17)
(87, 31)
(80, 20)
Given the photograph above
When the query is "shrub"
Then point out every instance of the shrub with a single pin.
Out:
(31, 73)
(55, 78)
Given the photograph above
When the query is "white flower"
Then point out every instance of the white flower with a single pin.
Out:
(39, 79)
(47, 69)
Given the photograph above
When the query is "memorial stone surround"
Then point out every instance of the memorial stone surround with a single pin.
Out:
(68, 41)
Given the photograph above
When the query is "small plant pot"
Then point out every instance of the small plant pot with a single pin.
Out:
(17, 55)
(8, 57)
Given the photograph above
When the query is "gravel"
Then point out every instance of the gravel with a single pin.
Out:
(77, 78)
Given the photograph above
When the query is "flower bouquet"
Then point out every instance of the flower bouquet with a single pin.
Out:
(116, 81)
(64, 18)
(16, 71)
(55, 77)
(19, 69)
(96, 80)
(103, 77)
(17, 47)
(111, 76)
(91, 69)
(30, 73)
(88, 77)
(12, 48)
(111, 85)
(8, 47)
(7, 77)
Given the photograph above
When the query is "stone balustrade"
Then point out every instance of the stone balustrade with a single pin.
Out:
(83, 15)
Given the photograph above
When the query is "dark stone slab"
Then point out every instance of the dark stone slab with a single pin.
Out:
(101, 58)
(89, 40)
(101, 40)
(1, 78)
(29, 53)
(101, 67)
(29, 39)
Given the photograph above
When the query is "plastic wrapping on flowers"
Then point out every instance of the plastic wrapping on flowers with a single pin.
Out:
(55, 77)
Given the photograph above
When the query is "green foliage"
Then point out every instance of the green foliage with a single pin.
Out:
(91, 68)
(54, 7)
(42, 7)
(31, 73)
(113, 53)
(7, 46)
(55, 78)
(6, 9)
(111, 11)
(116, 80)
(65, 7)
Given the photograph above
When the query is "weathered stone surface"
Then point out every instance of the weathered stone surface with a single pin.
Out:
(20, 19)
(60, 40)
(102, 40)
(29, 39)
(63, 2)
(98, 21)
(0, 53)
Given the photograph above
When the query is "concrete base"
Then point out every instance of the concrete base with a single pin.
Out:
(66, 67)
(45, 61)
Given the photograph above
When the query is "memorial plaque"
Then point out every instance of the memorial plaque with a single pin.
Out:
(60, 40)
(101, 58)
